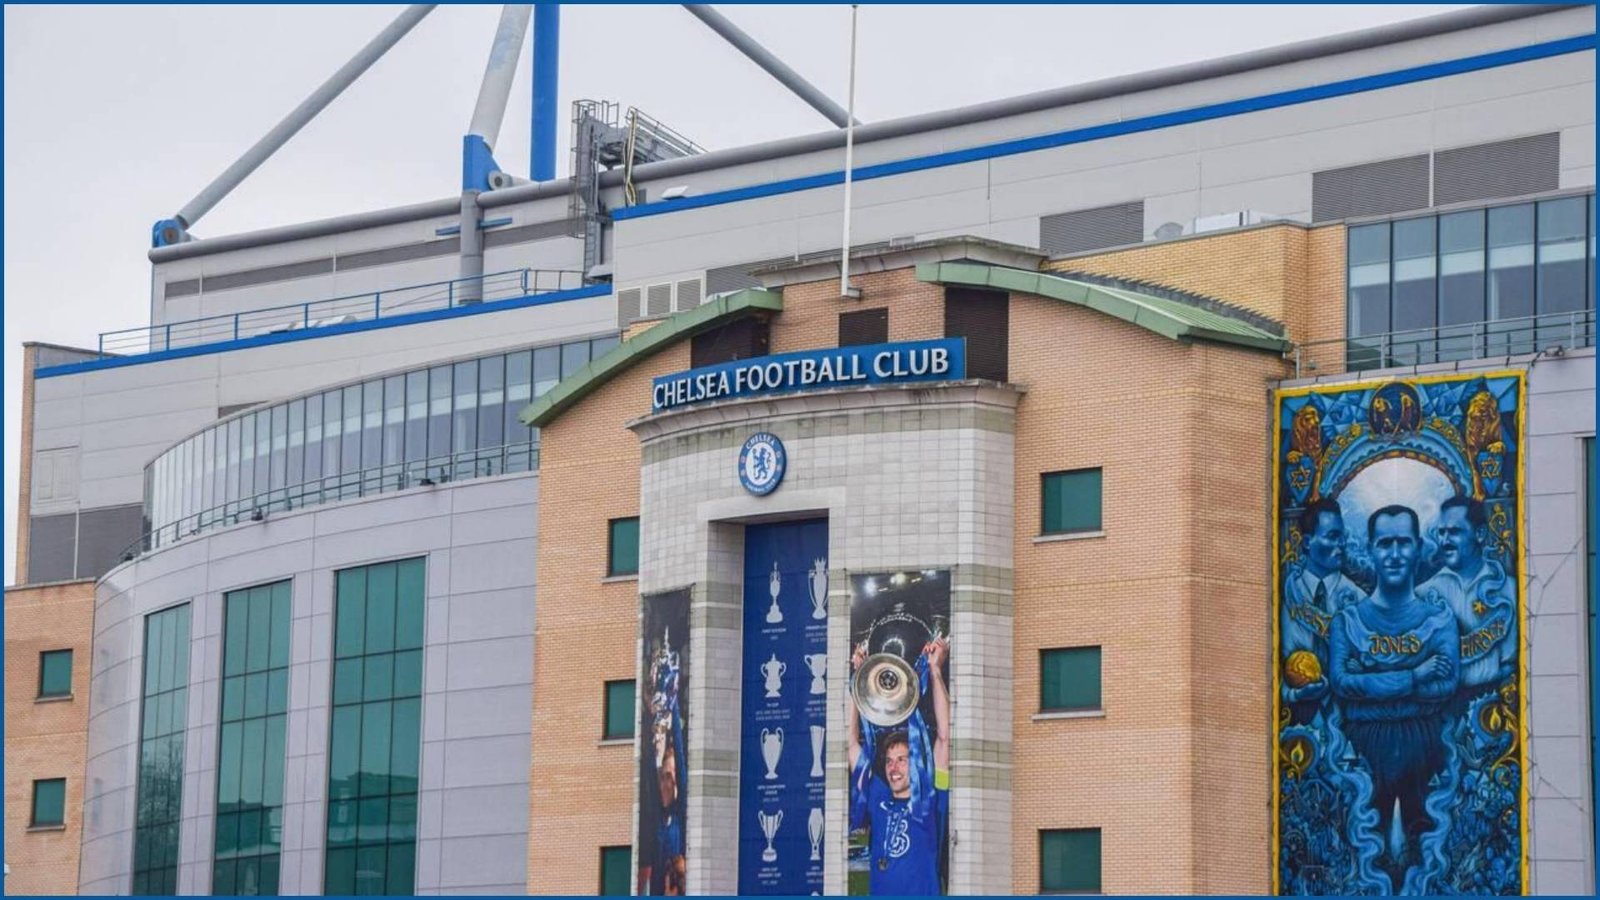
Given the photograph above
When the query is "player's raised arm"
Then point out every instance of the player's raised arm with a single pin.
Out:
(938, 651)
(857, 657)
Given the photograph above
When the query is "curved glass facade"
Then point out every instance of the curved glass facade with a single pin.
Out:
(434, 424)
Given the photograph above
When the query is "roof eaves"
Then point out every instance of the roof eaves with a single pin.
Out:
(715, 311)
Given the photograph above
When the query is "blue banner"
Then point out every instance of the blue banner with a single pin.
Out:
(785, 708)
(944, 359)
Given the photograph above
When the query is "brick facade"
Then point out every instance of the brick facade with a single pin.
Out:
(45, 738)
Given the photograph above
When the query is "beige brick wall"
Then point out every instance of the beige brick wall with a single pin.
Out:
(45, 739)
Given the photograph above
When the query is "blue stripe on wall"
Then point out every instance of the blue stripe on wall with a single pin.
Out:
(1128, 126)
(435, 315)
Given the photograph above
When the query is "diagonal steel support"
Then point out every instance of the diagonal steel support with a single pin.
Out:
(774, 66)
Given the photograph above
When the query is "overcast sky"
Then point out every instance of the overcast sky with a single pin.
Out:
(117, 116)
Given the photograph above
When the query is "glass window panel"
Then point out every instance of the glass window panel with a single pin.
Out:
(332, 431)
(1461, 282)
(248, 877)
(546, 369)
(260, 643)
(227, 842)
(574, 356)
(403, 817)
(344, 754)
(372, 424)
(410, 589)
(272, 770)
(1415, 291)
(269, 876)
(1069, 861)
(350, 612)
(247, 458)
(416, 416)
(408, 673)
(394, 420)
(250, 830)
(519, 372)
(375, 739)
(252, 760)
(160, 772)
(49, 801)
(340, 874)
(1511, 275)
(407, 743)
(279, 655)
(623, 555)
(615, 868)
(491, 402)
(1368, 279)
(280, 445)
(229, 759)
(55, 673)
(372, 870)
(263, 452)
(343, 816)
(208, 467)
(402, 869)
(618, 710)
(313, 437)
(380, 608)
(464, 427)
(601, 346)
(378, 677)
(347, 681)
(233, 698)
(1069, 678)
(350, 456)
(223, 883)
(1071, 502)
(277, 691)
(1563, 266)
(297, 443)
(439, 390)
(373, 817)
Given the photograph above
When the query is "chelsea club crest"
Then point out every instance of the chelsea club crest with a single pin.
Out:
(762, 461)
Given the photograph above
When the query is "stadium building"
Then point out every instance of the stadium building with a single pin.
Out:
(1186, 486)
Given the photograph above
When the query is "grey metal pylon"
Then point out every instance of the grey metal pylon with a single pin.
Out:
(774, 66)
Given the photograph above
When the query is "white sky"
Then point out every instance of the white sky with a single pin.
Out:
(117, 116)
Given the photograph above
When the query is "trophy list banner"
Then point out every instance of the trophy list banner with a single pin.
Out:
(785, 708)
(899, 733)
(663, 761)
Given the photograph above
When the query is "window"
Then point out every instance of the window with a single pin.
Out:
(49, 803)
(1070, 502)
(864, 326)
(163, 717)
(375, 738)
(615, 863)
(745, 338)
(250, 758)
(623, 556)
(1069, 679)
(619, 710)
(984, 319)
(55, 673)
(1069, 861)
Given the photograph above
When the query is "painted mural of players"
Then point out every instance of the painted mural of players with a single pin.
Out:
(899, 733)
(1314, 592)
(1394, 664)
(662, 862)
(1476, 590)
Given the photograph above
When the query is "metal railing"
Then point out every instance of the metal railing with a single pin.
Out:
(443, 469)
(1447, 344)
(414, 298)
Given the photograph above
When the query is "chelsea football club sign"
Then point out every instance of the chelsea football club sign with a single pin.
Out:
(762, 462)
(944, 359)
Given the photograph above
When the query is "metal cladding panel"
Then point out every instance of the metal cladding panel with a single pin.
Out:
(688, 292)
(102, 536)
(52, 546)
(1373, 189)
(389, 255)
(1092, 229)
(1513, 168)
(229, 280)
(731, 278)
(658, 299)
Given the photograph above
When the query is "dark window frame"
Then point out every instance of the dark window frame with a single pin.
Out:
(1099, 704)
(606, 734)
(1044, 493)
(1099, 888)
(55, 695)
(33, 807)
(612, 569)
(610, 851)
(853, 322)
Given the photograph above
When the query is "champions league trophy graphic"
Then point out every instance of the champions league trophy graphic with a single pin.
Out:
(818, 664)
(769, 830)
(772, 670)
(771, 749)
(819, 589)
(814, 829)
(774, 587)
(817, 731)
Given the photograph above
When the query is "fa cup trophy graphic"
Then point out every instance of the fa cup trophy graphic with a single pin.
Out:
(769, 830)
(818, 579)
(772, 670)
(774, 587)
(818, 664)
(814, 830)
(771, 749)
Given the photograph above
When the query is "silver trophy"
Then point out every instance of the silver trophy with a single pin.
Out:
(774, 587)
(772, 670)
(817, 731)
(819, 589)
(771, 749)
(769, 830)
(818, 664)
(814, 829)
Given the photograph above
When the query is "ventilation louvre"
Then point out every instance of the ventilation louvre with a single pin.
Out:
(1092, 229)
(687, 294)
(1514, 168)
(1371, 189)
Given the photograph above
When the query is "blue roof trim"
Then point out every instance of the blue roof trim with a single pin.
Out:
(432, 315)
(1190, 116)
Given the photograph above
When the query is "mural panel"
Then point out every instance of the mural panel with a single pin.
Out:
(663, 758)
(1398, 693)
(899, 744)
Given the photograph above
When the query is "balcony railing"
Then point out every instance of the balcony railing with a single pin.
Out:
(460, 466)
(338, 310)
(1447, 344)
